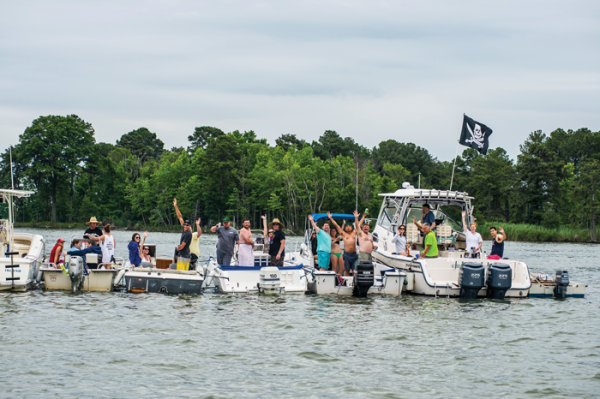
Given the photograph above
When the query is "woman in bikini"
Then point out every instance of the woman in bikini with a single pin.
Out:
(337, 263)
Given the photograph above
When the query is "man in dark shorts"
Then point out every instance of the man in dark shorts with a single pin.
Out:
(277, 248)
(227, 237)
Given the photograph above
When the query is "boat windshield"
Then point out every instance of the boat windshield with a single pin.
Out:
(448, 214)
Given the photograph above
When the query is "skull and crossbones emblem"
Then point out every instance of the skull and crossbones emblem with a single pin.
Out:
(476, 136)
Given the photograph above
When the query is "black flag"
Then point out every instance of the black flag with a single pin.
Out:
(475, 135)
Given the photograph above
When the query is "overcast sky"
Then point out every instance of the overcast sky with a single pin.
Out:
(371, 70)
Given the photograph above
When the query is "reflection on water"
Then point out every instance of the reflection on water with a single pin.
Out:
(212, 345)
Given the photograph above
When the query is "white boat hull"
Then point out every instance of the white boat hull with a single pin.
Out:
(97, 280)
(139, 280)
(30, 248)
(441, 276)
(240, 279)
(324, 283)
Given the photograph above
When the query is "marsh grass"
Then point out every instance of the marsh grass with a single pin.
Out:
(533, 233)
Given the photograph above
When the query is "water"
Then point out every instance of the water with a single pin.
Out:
(231, 346)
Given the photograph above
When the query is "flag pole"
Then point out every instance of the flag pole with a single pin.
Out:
(456, 154)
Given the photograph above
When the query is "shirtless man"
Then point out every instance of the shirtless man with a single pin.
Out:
(246, 245)
(349, 236)
(365, 240)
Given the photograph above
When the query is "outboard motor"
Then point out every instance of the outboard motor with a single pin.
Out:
(499, 281)
(562, 282)
(76, 272)
(270, 280)
(473, 279)
(364, 278)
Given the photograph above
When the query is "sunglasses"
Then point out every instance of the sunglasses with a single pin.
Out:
(270, 231)
(146, 249)
(137, 237)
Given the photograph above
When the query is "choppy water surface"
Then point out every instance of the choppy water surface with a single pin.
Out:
(225, 346)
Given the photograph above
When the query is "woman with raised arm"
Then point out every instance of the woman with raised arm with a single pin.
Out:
(474, 241)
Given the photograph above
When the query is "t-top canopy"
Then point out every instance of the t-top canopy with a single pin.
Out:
(15, 193)
(322, 216)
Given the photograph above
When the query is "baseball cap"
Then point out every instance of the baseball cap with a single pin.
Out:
(226, 219)
(60, 240)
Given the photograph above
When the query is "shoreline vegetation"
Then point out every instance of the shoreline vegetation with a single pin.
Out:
(549, 193)
(516, 231)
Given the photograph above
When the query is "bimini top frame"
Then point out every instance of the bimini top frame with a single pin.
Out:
(7, 224)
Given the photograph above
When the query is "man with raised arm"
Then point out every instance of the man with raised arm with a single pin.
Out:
(227, 237)
(323, 243)
(349, 236)
(195, 244)
(365, 239)
(497, 243)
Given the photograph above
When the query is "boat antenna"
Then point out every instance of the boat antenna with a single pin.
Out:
(12, 181)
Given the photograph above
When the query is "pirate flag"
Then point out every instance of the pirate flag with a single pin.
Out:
(475, 135)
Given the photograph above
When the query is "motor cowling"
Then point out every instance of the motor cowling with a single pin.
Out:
(270, 280)
(499, 280)
(76, 272)
(562, 283)
(472, 279)
(364, 278)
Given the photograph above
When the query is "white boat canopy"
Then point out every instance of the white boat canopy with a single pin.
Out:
(15, 193)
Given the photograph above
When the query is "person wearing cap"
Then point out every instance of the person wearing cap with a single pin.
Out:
(56, 251)
(277, 247)
(93, 232)
(195, 244)
(183, 249)
(227, 237)
(428, 217)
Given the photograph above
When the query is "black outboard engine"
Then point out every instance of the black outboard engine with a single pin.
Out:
(499, 280)
(562, 282)
(364, 278)
(473, 279)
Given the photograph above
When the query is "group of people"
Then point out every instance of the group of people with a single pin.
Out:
(101, 242)
(325, 242)
(326, 248)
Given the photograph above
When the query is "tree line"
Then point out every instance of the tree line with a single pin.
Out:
(555, 180)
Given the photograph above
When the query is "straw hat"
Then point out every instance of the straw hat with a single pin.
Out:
(276, 221)
(93, 220)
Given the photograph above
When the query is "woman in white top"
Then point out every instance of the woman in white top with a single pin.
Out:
(400, 241)
(145, 255)
(473, 237)
(107, 244)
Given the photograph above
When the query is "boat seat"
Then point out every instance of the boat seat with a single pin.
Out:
(413, 235)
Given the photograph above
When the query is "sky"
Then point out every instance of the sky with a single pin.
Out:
(371, 70)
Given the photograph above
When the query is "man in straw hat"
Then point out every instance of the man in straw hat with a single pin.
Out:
(277, 247)
(93, 232)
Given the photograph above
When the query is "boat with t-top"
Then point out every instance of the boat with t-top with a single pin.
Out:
(453, 273)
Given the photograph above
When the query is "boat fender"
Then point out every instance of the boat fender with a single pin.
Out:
(209, 279)
(120, 276)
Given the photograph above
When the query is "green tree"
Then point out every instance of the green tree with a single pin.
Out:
(53, 148)
(201, 136)
(587, 190)
(143, 144)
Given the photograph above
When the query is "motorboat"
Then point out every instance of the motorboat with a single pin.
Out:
(453, 273)
(161, 275)
(558, 286)
(21, 254)
(76, 275)
(379, 278)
